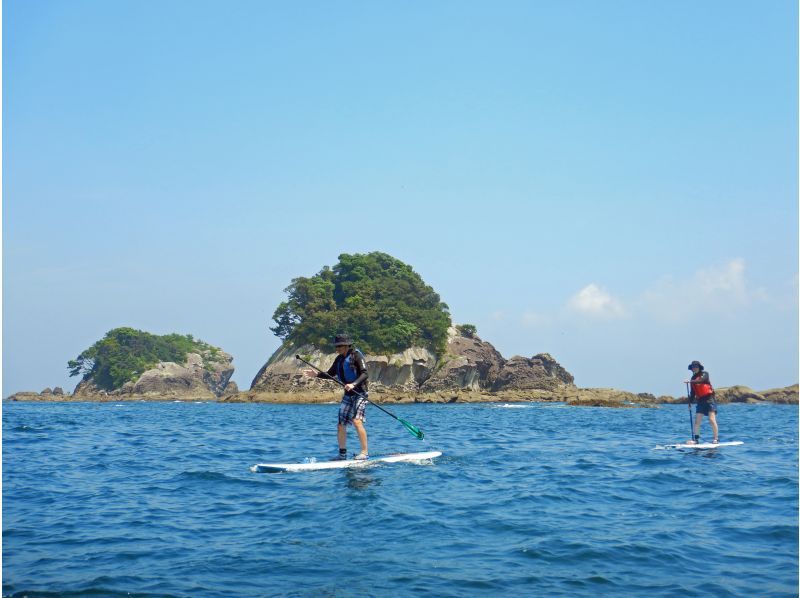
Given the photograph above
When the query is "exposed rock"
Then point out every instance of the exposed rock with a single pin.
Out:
(24, 395)
(744, 394)
(403, 371)
(200, 378)
(284, 373)
(58, 391)
(572, 396)
(738, 394)
(307, 397)
(787, 395)
(469, 364)
(608, 397)
(540, 372)
(604, 397)
(47, 391)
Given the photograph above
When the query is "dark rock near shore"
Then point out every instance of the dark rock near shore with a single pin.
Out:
(470, 363)
(571, 395)
(26, 395)
(744, 394)
(540, 372)
(787, 395)
(738, 394)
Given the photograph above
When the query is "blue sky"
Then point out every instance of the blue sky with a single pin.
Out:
(614, 183)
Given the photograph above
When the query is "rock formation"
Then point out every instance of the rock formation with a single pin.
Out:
(744, 394)
(200, 377)
(469, 364)
(540, 372)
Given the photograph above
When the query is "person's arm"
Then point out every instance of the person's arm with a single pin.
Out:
(361, 369)
(332, 372)
(329, 375)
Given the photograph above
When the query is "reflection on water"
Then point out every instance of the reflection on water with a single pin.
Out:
(360, 479)
(711, 453)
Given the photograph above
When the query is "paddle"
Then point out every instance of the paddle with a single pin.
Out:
(409, 426)
(691, 423)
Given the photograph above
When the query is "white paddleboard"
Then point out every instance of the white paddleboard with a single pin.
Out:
(317, 465)
(702, 445)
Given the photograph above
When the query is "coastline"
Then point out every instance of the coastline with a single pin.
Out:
(570, 395)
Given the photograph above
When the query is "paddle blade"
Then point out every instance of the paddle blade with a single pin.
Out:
(412, 428)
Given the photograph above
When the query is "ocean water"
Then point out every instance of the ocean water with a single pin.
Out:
(156, 499)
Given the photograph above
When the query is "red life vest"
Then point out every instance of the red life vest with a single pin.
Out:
(702, 389)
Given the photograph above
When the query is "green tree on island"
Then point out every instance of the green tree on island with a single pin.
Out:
(467, 330)
(377, 299)
(124, 354)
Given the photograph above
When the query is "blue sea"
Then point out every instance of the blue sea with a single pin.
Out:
(534, 499)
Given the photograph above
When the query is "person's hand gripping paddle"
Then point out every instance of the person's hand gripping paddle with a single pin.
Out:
(408, 425)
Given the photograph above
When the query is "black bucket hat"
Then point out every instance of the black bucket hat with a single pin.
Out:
(696, 364)
(342, 339)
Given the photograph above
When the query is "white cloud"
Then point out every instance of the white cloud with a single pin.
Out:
(710, 290)
(726, 281)
(595, 301)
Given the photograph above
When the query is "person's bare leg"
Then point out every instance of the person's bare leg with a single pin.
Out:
(712, 417)
(341, 436)
(362, 435)
(698, 419)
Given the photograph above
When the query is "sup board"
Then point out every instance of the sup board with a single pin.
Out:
(317, 465)
(702, 445)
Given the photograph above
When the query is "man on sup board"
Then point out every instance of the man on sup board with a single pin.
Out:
(350, 368)
(702, 392)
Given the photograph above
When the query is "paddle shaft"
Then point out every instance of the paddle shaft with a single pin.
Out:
(691, 423)
(340, 383)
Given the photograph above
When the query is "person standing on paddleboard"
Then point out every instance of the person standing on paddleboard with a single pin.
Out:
(350, 368)
(702, 392)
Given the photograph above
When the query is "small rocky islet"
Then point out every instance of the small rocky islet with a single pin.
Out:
(471, 371)
(413, 351)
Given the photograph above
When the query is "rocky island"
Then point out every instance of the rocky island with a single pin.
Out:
(128, 364)
(413, 351)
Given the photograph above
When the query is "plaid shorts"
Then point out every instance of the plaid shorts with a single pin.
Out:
(352, 407)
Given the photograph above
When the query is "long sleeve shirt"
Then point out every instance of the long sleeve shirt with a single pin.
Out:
(349, 369)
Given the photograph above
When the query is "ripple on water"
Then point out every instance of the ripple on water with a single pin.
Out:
(516, 506)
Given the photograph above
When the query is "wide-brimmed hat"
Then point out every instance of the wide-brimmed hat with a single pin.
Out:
(696, 364)
(342, 339)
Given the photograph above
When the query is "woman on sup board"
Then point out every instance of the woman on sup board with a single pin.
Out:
(350, 368)
(702, 392)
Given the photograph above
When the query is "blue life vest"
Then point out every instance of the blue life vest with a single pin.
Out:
(347, 372)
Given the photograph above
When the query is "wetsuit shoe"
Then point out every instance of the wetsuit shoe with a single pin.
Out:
(340, 457)
(361, 457)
